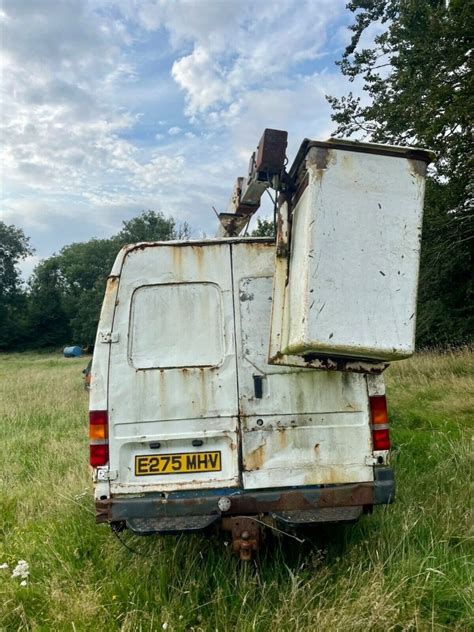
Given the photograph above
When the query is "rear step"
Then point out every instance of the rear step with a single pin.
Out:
(170, 525)
(177, 524)
(312, 516)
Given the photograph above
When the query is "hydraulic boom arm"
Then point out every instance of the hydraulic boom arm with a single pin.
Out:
(266, 169)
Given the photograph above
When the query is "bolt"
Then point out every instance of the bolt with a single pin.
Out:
(259, 422)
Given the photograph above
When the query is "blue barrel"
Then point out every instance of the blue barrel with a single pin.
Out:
(72, 352)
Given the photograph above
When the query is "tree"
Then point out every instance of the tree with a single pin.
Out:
(82, 271)
(48, 322)
(152, 226)
(265, 228)
(418, 77)
(14, 247)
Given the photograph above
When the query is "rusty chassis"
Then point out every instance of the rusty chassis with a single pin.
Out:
(242, 511)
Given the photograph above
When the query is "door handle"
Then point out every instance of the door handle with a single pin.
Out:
(258, 386)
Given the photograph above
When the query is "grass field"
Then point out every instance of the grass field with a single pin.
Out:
(406, 567)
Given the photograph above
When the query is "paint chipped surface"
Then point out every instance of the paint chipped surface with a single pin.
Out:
(350, 285)
(172, 374)
(299, 408)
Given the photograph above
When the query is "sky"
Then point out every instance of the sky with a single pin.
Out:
(111, 107)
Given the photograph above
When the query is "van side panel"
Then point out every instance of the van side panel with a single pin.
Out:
(298, 426)
(172, 386)
(98, 395)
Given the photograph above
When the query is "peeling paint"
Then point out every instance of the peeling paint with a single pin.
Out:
(355, 247)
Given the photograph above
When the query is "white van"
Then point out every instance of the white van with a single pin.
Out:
(239, 381)
(190, 424)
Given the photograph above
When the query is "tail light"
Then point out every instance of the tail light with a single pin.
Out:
(98, 438)
(379, 417)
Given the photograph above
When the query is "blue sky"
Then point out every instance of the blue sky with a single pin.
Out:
(110, 107)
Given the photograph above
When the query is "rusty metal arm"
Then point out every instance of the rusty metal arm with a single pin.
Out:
(265, 170)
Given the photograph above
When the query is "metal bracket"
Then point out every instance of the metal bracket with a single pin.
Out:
(104, 474)
(107, 337)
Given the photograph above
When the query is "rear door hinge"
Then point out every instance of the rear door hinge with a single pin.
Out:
(108, 337)
(106, 475)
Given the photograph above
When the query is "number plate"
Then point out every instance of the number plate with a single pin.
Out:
(180, 463)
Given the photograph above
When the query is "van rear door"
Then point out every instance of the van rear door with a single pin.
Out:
(298, 426)
(173, 411)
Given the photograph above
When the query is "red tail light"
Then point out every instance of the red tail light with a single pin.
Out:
(98, 438)
(379, 418)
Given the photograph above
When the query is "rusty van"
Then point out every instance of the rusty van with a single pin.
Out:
(238, 381)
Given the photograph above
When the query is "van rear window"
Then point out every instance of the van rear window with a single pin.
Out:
(176, 325)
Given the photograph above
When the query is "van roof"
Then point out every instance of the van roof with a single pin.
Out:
(142, 245)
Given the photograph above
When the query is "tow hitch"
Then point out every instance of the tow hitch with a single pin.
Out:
(245, 533)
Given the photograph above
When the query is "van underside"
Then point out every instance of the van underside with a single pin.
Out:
(229, 508)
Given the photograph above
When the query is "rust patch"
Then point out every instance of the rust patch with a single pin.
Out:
(282, 437)
(111, 286)
(280, 237)
(199, 257)
(177, 256)
(245, 535)
(203, 389)
(347, 495)
(102, 510)
(234, 222)
(256, 459)
(318, 158)
(313, 360)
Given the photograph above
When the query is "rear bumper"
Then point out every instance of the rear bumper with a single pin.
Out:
(205, 503)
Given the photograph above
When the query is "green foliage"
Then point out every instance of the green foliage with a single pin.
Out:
(152, 226)
(265, 228)
(446, 292)
(418, 76)
(47, 320)
(14, 247)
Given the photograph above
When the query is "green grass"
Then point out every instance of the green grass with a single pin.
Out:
(406, 567)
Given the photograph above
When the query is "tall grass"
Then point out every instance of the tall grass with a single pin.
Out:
(406, 567)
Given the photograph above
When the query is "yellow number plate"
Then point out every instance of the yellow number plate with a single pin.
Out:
(180, 463)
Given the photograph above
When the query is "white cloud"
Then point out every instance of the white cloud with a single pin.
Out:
(246, 50)
(62, 126)
(202, 80)
(89, 88)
